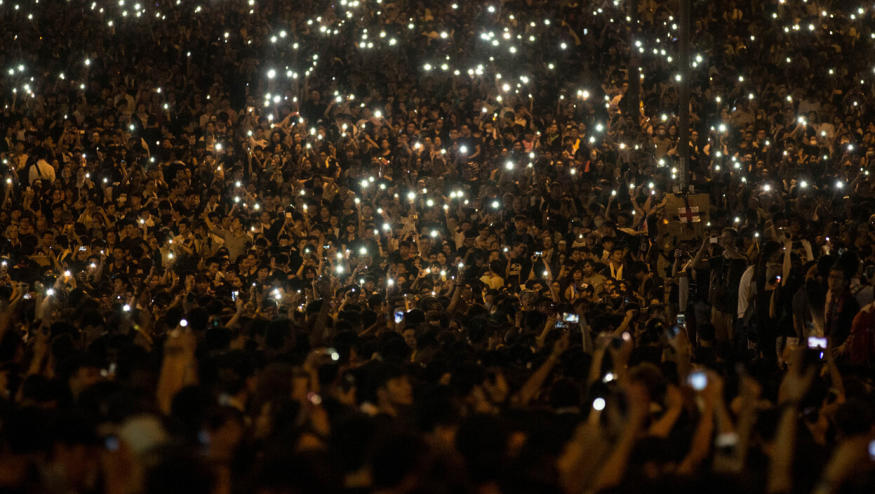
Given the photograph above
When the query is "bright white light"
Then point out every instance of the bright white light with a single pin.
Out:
(598, 404)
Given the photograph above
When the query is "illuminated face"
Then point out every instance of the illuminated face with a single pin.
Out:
(399, 391)
(836, 281)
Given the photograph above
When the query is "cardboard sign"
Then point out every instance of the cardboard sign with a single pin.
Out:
(685, 218)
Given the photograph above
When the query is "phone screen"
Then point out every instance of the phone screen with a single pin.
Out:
(698, 380)
(815, 342)
(399, 316)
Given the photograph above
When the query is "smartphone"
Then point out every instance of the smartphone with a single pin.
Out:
(816, 342)
(817, 346)
(399, 316)
(234, 295)
(569, 317)
(713, 240)
(682, 320)
(539, 253)
(698, 380)
(82, 248)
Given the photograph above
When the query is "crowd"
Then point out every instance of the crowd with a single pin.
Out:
(417, 246)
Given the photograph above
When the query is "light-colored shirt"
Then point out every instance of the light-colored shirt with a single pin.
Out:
(42, 170)
(492, 280)
(746, 291)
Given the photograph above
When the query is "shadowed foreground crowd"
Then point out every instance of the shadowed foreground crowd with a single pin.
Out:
(377, 277)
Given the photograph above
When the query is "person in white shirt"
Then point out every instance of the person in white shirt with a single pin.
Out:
(746, 291)
(41, 170)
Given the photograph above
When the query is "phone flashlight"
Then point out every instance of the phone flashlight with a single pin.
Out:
(698, 380)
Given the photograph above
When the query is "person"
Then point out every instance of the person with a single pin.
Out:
(726, 271)
(40, 170)
(841, 307)
(493, 278)
(859, 347)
